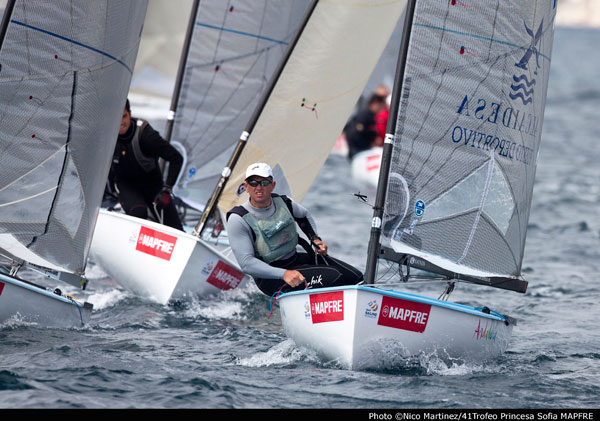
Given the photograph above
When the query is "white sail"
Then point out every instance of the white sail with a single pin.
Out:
(234, 50)
(315, 93)
(65, 69)
(468, 134)
(158, 55)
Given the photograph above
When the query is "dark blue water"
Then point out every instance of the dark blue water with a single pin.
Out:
(226, 353)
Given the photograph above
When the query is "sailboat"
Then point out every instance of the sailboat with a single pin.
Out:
(65, 67)
(316, 82)
(365, 167)
(454, 192)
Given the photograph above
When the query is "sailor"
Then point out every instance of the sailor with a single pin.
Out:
(135, 175)
(263, 236)
(361, 131)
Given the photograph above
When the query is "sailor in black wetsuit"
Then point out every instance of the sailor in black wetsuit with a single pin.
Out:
(136, 175)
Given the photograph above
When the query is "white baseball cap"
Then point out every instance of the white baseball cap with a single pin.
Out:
(260, 169)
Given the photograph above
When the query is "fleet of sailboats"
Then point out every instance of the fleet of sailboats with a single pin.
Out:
(275, 83)
(292, 123)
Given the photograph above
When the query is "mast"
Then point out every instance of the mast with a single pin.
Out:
(8, 9)
(212, 202)
(373, 249)
(180, 71)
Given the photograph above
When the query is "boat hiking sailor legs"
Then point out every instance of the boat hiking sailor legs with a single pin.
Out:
(263, 237)
(136, 177)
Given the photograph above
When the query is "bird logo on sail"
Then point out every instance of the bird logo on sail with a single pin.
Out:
(522, 87)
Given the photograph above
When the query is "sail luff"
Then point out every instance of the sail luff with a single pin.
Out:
(180, 71)
(218, 190)
(374, 246)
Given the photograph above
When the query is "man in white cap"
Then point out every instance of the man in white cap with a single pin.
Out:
(263, 236)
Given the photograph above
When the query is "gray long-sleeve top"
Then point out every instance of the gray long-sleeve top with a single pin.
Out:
(242, 243)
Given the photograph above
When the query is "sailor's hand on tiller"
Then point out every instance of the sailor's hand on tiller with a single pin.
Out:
(293, 278)
(321, 247)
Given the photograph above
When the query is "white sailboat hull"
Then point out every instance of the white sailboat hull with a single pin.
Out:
(367, 328)
(160, 263)
(365, 167)
(29, 303)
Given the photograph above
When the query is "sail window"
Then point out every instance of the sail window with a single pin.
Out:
(467, 196)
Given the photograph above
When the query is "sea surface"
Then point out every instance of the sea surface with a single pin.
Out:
(225, 352)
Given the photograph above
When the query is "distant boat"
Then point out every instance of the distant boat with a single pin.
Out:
(65, 67)
(365, 167)
(454, 191)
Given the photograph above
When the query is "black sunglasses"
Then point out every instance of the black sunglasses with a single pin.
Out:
(263, 183)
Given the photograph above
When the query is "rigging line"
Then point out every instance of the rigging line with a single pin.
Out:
(72, 41)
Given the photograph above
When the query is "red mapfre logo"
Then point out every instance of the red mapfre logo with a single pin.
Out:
(402, 314)
(224, 276)
(1, 287)
(327, 307)
(155, 243)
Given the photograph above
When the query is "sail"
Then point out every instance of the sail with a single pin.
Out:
(315, 93)
(234, 49)
(158, 54)
(468, 133)
(65, 69)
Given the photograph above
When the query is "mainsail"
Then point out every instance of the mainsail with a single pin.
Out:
(467, 137)
(234, 49)
(315, 93)
(65, 69)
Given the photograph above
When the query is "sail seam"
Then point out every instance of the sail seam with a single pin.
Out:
(248, 34)
(437, 28)
(72, 41)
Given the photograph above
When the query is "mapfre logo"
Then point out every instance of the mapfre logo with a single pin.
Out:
(155, 243)
(225, 277)
(327, 307)
(402, 314)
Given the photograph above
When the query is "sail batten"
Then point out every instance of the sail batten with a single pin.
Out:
(467, 137)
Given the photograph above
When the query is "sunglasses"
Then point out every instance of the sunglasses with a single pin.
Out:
(263, 183)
